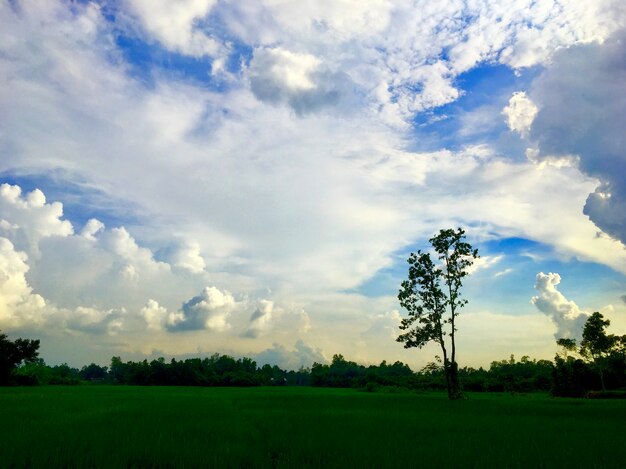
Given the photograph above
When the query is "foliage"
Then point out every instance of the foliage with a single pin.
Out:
(346, 374)
(38, 373)
(94, 373)
(216, 370)
(13, 354)
(599, 361)
(432, 297)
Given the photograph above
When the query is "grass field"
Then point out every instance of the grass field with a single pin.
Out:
(120, 426)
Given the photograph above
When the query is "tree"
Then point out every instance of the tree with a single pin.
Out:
(432, 297)
(13, 353)
(596, 344)
(602, 355)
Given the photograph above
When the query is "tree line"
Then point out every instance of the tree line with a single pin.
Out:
(574, 372)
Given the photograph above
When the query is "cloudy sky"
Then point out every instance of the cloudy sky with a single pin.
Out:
(184, 177)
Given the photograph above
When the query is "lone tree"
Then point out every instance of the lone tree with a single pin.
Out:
(13, 353)
(432, 297)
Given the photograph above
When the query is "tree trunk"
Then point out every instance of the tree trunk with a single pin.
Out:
(452, 380)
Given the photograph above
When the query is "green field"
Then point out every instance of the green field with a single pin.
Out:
(124, 426)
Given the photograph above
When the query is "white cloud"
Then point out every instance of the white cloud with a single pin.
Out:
(385, 325)
(502, 273)
(154, 315)
(302, 355)
(405, 55)
(278, 75)
(483, 263)
(209, 310)
(174, 24)
(184, 256)
(520, 113)
(261, 319)
(31, 218)
(19, 305)
(94, 321)
(565, 314)
(305, 321)
(91, 228)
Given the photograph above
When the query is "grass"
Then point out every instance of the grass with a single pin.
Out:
(125, 426)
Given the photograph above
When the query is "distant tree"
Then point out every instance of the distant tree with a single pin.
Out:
(432, 297)
(13, 354)
(602, 354)
(596, 343)
(93, 372)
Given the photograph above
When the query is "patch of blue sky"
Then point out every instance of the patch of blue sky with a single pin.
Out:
(485, 90)
(147, 60)
(80, 201)
(507, 286)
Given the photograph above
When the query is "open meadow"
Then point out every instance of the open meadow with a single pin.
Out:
(126, 426)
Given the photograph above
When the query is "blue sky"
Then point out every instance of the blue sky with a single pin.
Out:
(249, 177)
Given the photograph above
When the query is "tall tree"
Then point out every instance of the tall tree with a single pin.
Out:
(13, 353)
(432, 297)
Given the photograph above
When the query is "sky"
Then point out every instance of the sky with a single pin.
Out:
(188, 177)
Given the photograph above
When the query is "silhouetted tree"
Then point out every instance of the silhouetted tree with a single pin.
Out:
(600, 355)
(14, 353)
(93, 372)
(432, 297)
(596, 343)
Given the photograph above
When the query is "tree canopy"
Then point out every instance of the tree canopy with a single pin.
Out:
(14, 353)
(600, 359)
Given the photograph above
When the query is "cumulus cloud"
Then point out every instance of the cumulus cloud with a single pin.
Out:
(94, 321)
(261, 319)
(302, 355)
(209, 310)
(91, 228)
(299, 79)
(520, 113)
(185, 256)
(28, 218)
(582, 113)
(19, 305)
(564, 313)
(154, 315)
